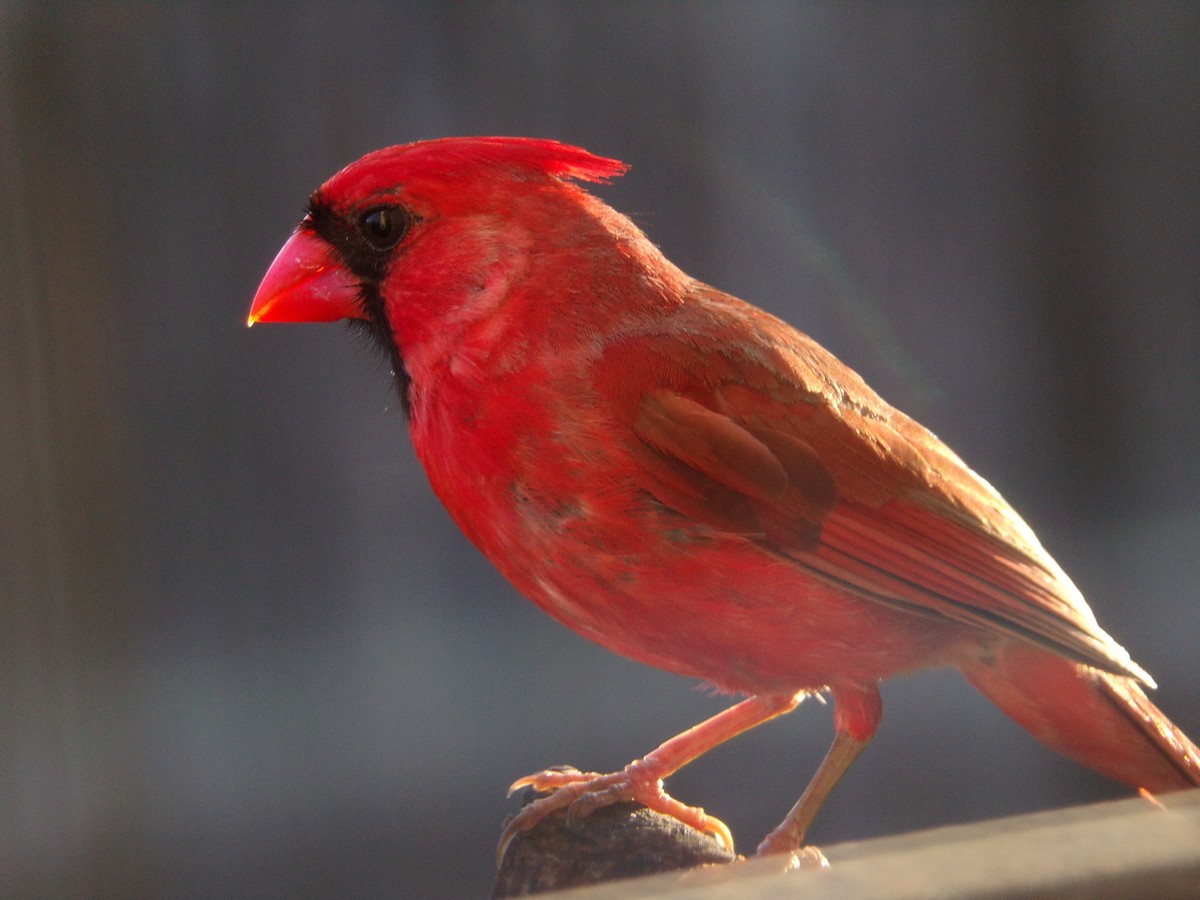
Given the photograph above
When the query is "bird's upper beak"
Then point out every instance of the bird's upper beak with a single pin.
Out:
(306, 283)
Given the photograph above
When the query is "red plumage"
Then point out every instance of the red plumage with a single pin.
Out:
(689, 481)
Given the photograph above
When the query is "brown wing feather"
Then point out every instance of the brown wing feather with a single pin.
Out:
(791, 449)
(711, 443)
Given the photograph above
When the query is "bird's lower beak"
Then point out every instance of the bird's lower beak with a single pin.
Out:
(305, 283)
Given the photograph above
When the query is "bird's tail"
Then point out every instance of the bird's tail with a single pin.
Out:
(1100, 720)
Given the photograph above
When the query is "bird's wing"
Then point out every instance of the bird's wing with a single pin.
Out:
(773, 439)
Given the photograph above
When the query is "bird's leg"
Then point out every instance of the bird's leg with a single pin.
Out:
(856, 715)
(641, 781)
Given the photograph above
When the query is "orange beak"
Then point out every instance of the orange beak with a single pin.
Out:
(305, 283)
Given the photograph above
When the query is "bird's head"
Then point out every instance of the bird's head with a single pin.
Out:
(414, 240)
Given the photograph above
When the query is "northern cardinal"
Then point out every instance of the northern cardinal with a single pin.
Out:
(689, 481)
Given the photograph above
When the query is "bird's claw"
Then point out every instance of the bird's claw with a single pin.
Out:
(582, 793)
(808, 857)
(552, 779)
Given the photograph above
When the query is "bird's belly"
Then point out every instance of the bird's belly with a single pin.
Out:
(723, 610)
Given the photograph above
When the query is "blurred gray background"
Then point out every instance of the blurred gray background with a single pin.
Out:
(244, 652)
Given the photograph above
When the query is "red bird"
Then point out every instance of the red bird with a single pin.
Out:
(689, 481)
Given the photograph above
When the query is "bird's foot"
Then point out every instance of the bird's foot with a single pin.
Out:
(582, 793)
(787, 843)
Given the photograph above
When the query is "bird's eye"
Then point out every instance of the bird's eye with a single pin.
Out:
(383, 227)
